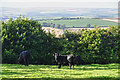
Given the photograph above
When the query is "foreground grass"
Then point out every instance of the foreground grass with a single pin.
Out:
(51, 72)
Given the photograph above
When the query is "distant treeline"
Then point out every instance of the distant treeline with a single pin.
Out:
(63, 18)
(59, 26)
(94, 46)
(63, 26)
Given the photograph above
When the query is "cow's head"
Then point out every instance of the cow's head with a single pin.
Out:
(19, 61)
(56, 54)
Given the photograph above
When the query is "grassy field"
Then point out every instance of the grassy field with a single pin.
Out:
(81, 22)
(51, 72)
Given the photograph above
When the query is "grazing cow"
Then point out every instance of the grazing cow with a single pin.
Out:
(77, 60)
(24, 58)
(70, 59)
(61, 59)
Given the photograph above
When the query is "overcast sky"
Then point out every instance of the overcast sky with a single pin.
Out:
(60, 0)
(61, 3)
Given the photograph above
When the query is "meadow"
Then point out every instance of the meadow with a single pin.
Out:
(51, 72)
(81, 22)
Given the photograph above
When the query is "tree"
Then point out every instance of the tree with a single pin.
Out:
(23, 34)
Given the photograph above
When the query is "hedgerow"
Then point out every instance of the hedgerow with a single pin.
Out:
(94, 46)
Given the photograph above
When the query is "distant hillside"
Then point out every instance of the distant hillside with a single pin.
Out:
(77, 23)
(59, 12)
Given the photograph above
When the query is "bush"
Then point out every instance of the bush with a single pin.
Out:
(23, 34)
(94, 46)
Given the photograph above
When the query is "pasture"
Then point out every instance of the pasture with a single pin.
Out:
(81, 22)
(51, 72)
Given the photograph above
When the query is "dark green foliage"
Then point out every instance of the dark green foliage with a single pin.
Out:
(94, 46)
(23, 34)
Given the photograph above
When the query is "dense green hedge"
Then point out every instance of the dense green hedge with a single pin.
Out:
(94, 46)
(23, 34)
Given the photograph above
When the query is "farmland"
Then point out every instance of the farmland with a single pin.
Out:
(81, 22)
(51, 72)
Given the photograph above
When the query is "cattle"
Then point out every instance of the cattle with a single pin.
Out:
(61, 59)
(77, 60)
(24, 58)
(70, 59)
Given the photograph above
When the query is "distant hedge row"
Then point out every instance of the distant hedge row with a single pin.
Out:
(94, 46)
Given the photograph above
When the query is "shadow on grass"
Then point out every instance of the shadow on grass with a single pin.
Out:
(80, 67)
(92, 78)
(12, 73)
(85, 68)
(89, 68)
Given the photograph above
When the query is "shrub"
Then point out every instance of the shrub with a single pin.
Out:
(94, 46)
(23, 34)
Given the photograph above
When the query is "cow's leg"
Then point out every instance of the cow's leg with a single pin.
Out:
(77, 64)
(70, 65)
(22, 62)
(59, 65)
(27, 62)
(73, 66)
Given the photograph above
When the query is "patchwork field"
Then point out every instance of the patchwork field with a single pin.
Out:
(81, 22)
(51, 72)
(111, 19)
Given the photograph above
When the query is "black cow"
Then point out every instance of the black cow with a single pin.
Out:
(77, 60)
(61, 59)
(70, 59)
(24, 58)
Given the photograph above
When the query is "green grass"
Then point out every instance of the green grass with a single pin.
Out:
(51, 72)
(81, 22)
